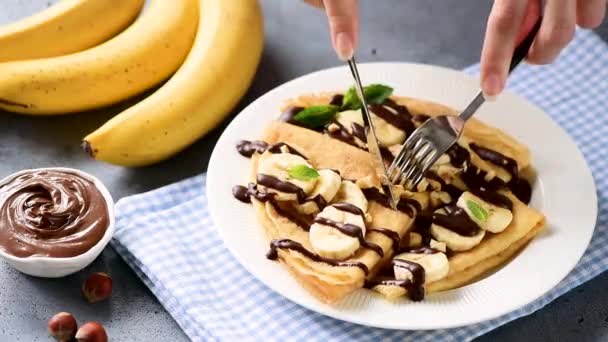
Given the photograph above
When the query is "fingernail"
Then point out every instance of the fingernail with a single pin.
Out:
(344, 46)
(492, 86)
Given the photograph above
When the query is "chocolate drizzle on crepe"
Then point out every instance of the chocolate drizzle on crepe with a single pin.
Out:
(405, 205)
(296, 246)
(350, 229)
(400, 119)
(456, 220)
(391, 234)
(247, 148)
(413, 285)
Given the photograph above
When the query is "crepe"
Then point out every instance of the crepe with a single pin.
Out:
(331, 283)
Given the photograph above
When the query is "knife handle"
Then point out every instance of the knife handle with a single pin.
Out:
(521, 51)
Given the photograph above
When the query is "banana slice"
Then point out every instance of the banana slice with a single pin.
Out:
(327, 186)
(278, 165)
(487, 215)
(351, 193)
(436, 266)
(438, 198)
(348, 117)
(455, 241)
(328, 241)
(388, 135)
(440, 246)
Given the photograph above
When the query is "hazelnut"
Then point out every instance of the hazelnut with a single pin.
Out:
(91, 332)
(62, 326)
(97, 287)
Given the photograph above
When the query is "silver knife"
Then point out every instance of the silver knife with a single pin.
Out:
(372, 139)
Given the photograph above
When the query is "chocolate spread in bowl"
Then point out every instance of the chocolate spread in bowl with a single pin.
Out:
(51, 213)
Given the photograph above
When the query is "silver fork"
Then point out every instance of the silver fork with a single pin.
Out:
(437, 134)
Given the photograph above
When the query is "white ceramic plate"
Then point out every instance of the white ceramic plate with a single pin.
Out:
(564, 191)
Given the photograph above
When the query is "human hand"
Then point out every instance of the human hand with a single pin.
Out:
(511, 20)
(343, 16)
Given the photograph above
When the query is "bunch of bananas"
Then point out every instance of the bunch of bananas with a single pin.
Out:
(77, 55)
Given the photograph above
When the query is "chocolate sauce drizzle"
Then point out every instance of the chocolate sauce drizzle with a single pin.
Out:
(400, 120)
(423, 250)
(336, 100)
(520, 187)
(405, 205)
(277, 184)
(344, 135)
(456, 220)
(451, 189)
(391, 234)
(414, 286)
(247, 148)
(474, 178)
(350, 229)
(296, 246)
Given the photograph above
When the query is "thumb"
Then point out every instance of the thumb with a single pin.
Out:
(343, 18)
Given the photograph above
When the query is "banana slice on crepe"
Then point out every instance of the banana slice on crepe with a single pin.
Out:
(453, 240)
(288, 168)
(487, 215)
(328, 241)
(349, 192)
(436, 265)
(388, 135)
(328, 184)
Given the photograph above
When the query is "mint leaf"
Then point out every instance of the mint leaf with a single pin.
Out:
(480, 213)
(374, 93)
(316, 116)
(302, 172)
(377, 93)
(351, 101)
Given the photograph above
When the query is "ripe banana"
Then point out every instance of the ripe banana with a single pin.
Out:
(278, 165)
(215, 76)
(66, 27)
(143, 55)
(328, 241)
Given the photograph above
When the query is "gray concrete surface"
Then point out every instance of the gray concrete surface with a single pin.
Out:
(446, 33)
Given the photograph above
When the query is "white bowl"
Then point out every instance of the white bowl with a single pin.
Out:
(50, 267)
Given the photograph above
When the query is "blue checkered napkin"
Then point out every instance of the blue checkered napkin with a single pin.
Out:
(166, 235)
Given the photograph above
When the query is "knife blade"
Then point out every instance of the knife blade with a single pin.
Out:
(370, 134)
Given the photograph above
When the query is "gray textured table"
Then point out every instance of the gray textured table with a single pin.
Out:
(447, 33)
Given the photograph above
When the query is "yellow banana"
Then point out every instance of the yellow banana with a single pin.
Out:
(216, 74)
(66, 27)
(145, 54)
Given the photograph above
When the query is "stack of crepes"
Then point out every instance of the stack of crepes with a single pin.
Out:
(318, 197)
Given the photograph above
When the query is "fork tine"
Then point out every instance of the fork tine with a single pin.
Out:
(411, 164)
(406, 155)
(426, 163)
(404, 150)
(432, 158)
(419, 158)
(410, 160)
